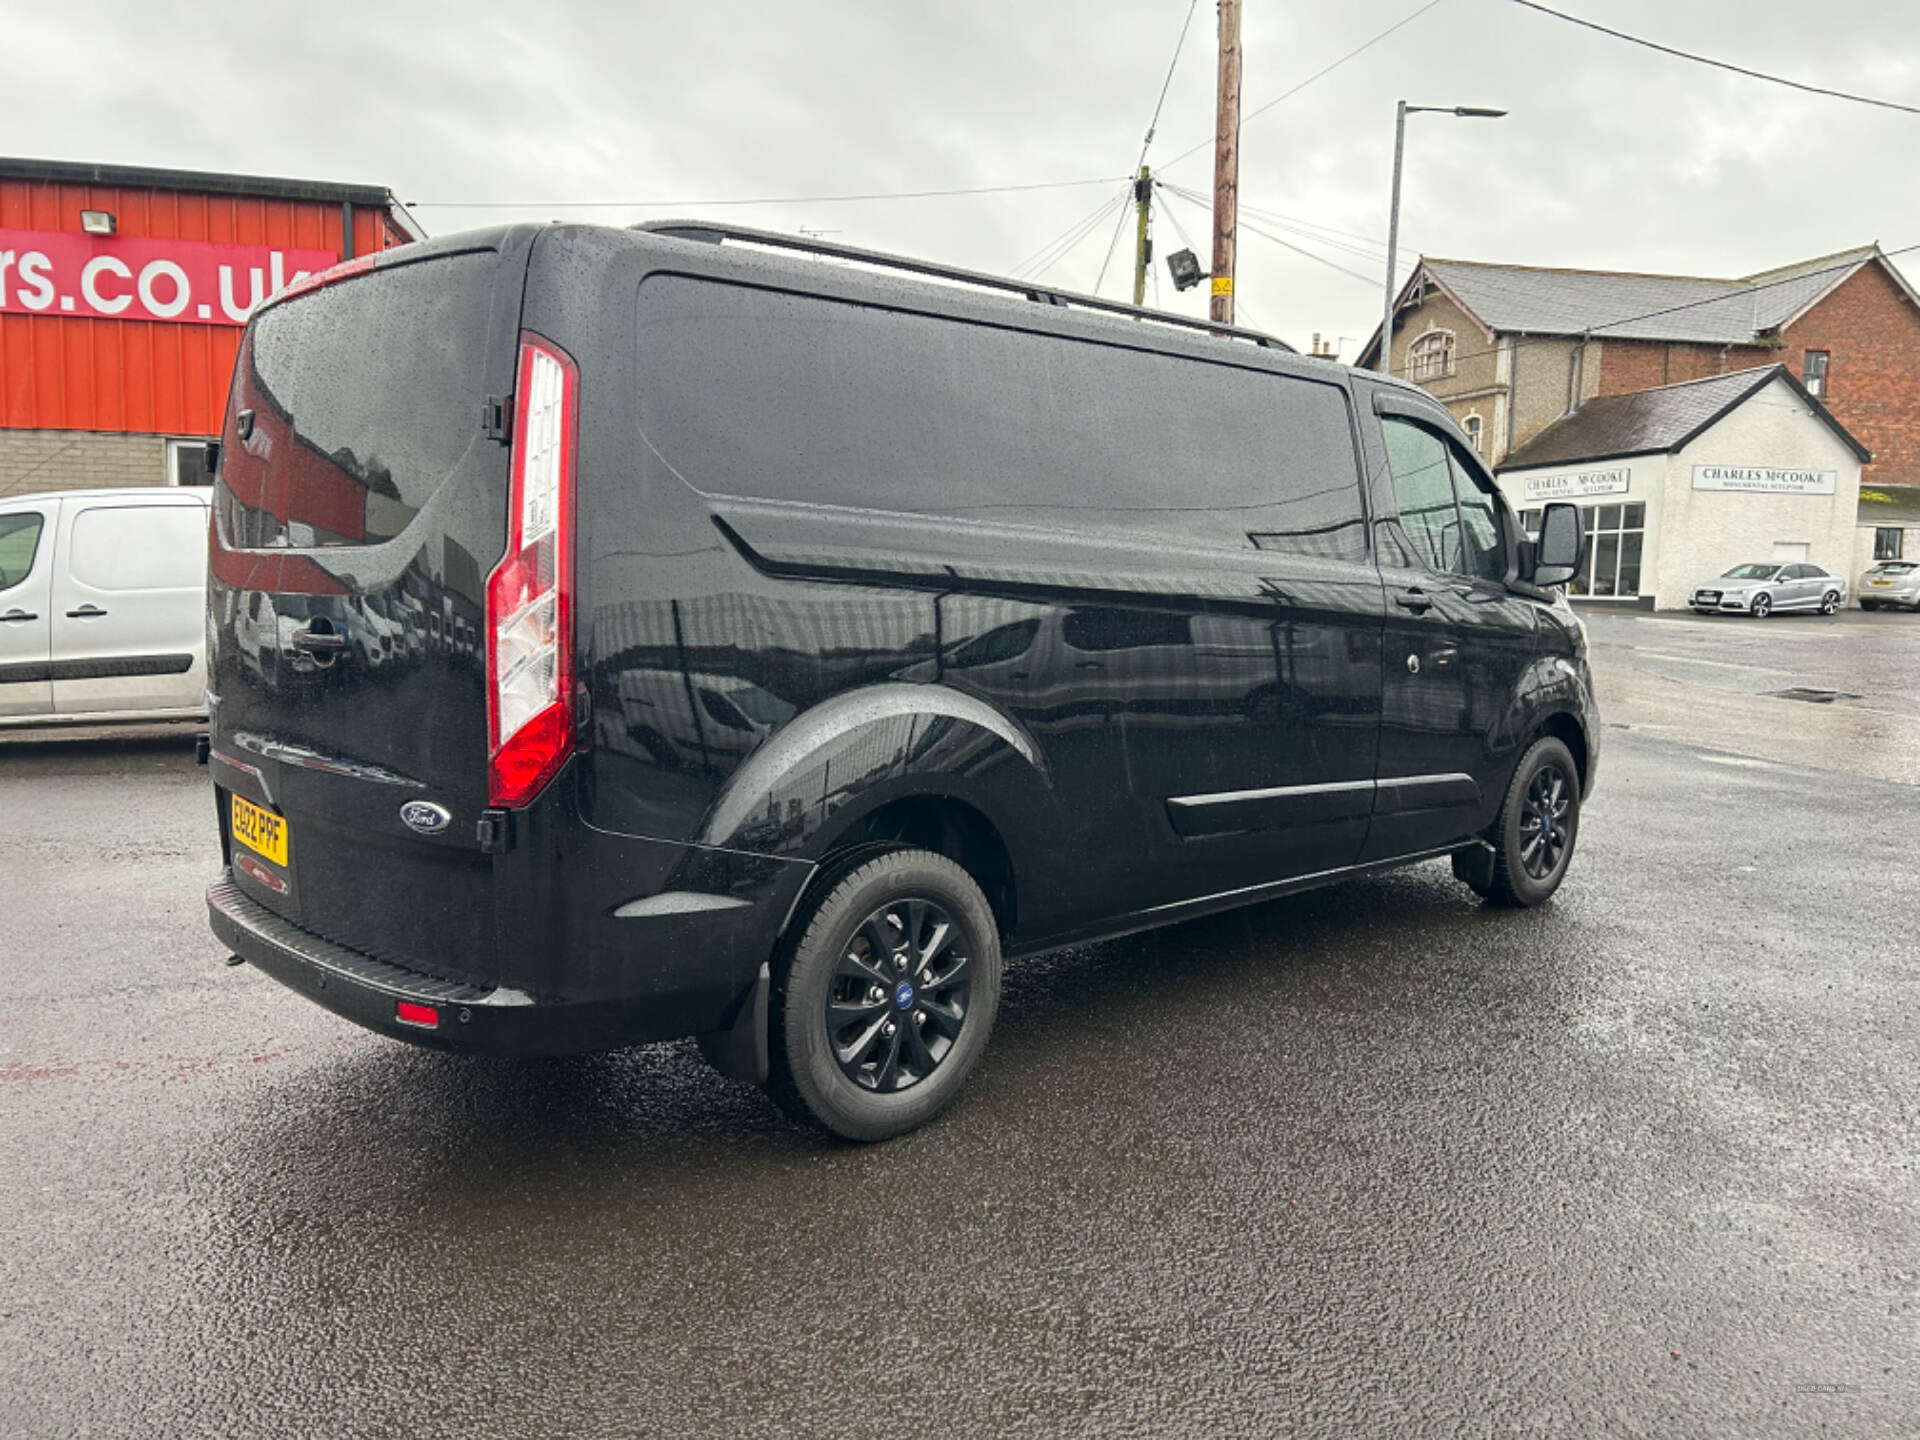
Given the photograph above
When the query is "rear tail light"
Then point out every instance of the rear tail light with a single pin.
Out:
(530, 592)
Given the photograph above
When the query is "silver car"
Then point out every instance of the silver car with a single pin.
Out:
(1891, 582)
(1762, 588)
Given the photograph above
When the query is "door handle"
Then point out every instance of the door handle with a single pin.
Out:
(1414, 600)
(16, 616)
(319, 641)
(86, 612)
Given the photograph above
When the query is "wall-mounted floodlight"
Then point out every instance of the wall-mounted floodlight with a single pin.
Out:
(97, 222)
(1184, 266)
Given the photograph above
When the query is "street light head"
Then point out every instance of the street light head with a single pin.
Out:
(1184, 266)
(1475, 112)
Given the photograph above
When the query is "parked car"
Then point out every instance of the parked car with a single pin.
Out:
(103, 606)
(1891, 582)
(1763, 587)
(840, 634)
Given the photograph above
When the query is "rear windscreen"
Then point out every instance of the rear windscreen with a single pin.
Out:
(355, 401)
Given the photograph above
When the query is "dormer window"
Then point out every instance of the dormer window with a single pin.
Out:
(1431, 356)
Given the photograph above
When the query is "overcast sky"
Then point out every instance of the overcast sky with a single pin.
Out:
(1613, 157)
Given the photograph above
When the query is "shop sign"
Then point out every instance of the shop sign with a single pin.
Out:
(187, 282)
(1577, 487)
(1765, 480)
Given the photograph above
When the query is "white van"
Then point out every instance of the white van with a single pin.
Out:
(103, 598)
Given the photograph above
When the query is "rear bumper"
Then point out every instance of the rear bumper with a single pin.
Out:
(471, 1018)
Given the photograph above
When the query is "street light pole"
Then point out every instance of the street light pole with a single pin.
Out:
(1393, 237)
(1401, 111)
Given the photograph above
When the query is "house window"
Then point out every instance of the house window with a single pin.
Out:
(1472, 426)
(1886, 542)
(1431, 356)
(1813, 373)
(187, 463)
(1615, 534)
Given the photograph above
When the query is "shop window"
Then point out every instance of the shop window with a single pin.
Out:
(1616, 535)
(1813, 373)
(1530, 523)
(187, 463)
(1473, 427)
(1886, 542)
(1431, 356)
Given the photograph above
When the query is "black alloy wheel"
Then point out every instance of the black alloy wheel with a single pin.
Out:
(1544, 836)
(1538, 824)
(1762, 605)
(884, 995)
(900, 995)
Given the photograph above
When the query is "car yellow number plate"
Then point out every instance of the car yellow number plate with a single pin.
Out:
(1883, 582)
(260, 830)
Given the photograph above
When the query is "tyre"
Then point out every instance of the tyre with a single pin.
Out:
(1830, 602)
(1869, 604)
(883, 1005)
(1539, 821)
(1762, 605)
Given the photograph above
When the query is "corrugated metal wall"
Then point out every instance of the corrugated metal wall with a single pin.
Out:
(67, 372)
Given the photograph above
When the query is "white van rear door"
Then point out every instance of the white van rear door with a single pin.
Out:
(26, 578)
(129, 607)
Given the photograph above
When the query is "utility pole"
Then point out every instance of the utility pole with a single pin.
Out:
(1142, 246)
(1226, 162)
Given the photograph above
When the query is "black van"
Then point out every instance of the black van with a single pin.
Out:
(772, 636)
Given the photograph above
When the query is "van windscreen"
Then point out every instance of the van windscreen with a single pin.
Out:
(778, 396)
(358, 400)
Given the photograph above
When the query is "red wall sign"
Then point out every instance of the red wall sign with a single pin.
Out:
(188, 282)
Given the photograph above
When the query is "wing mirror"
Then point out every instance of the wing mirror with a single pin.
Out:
(1558, 551)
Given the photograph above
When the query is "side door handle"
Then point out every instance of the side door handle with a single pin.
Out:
(17, 616)
(1415, 600)
(86, 612)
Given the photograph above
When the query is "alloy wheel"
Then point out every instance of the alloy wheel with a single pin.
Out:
(1543, 821)
(899, 995)
(1762, 606)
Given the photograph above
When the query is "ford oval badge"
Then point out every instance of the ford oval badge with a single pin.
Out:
(425, 817)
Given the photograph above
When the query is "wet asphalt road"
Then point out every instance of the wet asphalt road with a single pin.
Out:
(1367, 1162)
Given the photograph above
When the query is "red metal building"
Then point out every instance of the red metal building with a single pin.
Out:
(123, 292)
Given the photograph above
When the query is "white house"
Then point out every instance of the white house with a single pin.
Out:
(1682, 482)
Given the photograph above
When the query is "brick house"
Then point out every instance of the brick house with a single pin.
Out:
(1512, 348)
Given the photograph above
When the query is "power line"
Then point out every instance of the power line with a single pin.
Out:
(1064, 244)
(1720, 64)
(761, 200)
(1118, 226)
(1195, 200)
(1166, 84)
(1318, 74)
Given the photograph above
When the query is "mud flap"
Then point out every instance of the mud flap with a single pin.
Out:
(1473, 866)
(740, 1052)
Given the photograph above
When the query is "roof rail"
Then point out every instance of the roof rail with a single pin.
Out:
(1040, 294)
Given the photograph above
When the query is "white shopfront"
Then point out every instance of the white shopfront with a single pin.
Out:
(1769, 479)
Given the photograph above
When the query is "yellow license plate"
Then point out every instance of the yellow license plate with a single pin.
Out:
(1883, 582)
(260, 830)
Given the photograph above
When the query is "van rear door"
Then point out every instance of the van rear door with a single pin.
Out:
(360, 504)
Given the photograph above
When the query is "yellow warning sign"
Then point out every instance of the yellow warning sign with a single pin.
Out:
(1223, 284)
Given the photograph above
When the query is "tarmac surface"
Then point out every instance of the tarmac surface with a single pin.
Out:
(1372, 1161)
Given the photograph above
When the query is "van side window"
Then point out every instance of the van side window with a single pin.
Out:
(1485, 555)
(19, 543)
(1451, 519)
(790, 397)
(1423, 490)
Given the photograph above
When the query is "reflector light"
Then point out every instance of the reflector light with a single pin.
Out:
(425, 1016)
(530, 592)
